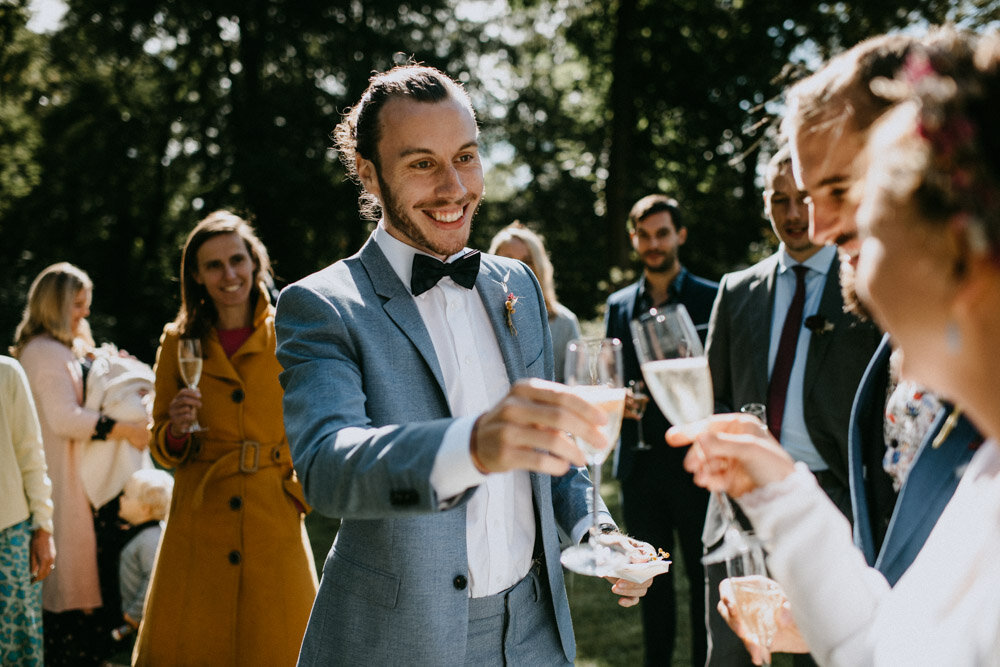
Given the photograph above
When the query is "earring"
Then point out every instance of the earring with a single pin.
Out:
(953, 337)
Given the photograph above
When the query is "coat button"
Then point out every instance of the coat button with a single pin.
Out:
(238, 396)
(234, 557)
(460, 582)
(235, 503)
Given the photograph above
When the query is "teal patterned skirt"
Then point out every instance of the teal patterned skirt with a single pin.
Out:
(20, 600)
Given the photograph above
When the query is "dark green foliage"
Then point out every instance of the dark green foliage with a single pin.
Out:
(630, 97)
(156, 113)
(135, 119)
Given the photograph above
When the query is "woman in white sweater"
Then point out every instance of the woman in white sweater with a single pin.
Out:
(27, 550)
(52, 342)
(929, 270)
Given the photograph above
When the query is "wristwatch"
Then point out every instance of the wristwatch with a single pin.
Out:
(605, 528)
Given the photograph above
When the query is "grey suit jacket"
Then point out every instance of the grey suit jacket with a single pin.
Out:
(365, 412)
(738, 340)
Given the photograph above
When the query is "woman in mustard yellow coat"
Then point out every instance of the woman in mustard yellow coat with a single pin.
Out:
(234, 578)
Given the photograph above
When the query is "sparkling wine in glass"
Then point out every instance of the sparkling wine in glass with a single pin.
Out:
(640, 399)
(189, 361)
(675, 368)
(673, 363)
(594, 372)
(758, 596)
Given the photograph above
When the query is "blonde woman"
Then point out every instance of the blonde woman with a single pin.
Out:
(52, 343)
(518, 242)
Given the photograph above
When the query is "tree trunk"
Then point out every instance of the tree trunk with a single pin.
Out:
(623, 120)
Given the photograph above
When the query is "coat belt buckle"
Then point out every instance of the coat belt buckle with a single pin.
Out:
(253, 447)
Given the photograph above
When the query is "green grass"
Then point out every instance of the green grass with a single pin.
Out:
(608, 635)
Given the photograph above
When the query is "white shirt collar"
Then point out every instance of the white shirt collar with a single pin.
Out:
(820, 262)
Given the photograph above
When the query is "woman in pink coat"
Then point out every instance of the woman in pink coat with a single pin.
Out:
(52, 342)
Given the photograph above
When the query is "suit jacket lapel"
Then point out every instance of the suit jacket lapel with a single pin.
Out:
(633, 301)
(489, 285)
(760, 302)
(931, 473)
(831, 307)
(400, 307)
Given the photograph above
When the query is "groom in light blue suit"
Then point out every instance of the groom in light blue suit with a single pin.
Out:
(412, 413)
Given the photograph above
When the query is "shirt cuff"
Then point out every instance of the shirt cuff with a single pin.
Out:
(454, 472)
(38, 523)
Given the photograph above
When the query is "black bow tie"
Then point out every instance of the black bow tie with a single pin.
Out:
(427, 271)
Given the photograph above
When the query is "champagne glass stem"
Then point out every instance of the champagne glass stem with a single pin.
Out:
(595, 478)
(726, 506)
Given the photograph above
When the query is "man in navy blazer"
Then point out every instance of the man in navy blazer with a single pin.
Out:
(889, 528)
(415, 412)
(658, 495)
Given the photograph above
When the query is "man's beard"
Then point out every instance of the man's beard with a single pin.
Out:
(663, 266)
(852, 304)
(398, 217)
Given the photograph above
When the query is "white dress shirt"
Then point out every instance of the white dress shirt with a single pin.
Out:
(500, 527)
(794, 433)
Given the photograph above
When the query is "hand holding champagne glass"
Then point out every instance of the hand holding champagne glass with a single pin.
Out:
(635, 407)
(675, 368)
(594, 372)
(189, 361)
(757, 597)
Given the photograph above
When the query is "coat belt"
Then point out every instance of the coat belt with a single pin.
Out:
(247, 457)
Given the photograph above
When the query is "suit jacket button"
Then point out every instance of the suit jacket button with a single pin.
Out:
(235, 503)
(238, 396)
(404, 497)
(234, 557)
(460, 582)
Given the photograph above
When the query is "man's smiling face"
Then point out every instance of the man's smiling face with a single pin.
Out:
(429, 177)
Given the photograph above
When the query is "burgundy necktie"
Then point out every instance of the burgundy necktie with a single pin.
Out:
(777, 390)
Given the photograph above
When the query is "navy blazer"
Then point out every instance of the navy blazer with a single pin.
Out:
(932, 479)
(697, 295)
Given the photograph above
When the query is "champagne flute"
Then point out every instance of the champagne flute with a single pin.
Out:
(189, 361)
(758, 596)
(675, 368)
(639, 401)
(594, 373)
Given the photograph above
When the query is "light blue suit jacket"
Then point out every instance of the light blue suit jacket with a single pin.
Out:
(365, 412)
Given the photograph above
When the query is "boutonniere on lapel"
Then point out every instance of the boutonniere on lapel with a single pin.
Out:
(818, 324)
(508, 306)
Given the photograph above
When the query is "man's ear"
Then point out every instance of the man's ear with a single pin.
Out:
(368, 175)
(682, 235)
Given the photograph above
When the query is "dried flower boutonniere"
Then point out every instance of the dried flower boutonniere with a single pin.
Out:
(818, 324)
(509, 304)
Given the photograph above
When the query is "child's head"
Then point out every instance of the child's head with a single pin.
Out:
(146, 496)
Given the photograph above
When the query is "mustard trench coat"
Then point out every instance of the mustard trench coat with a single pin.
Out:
(234, 578)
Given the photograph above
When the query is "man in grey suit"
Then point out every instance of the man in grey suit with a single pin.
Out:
(415, 412)
(830, 356)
